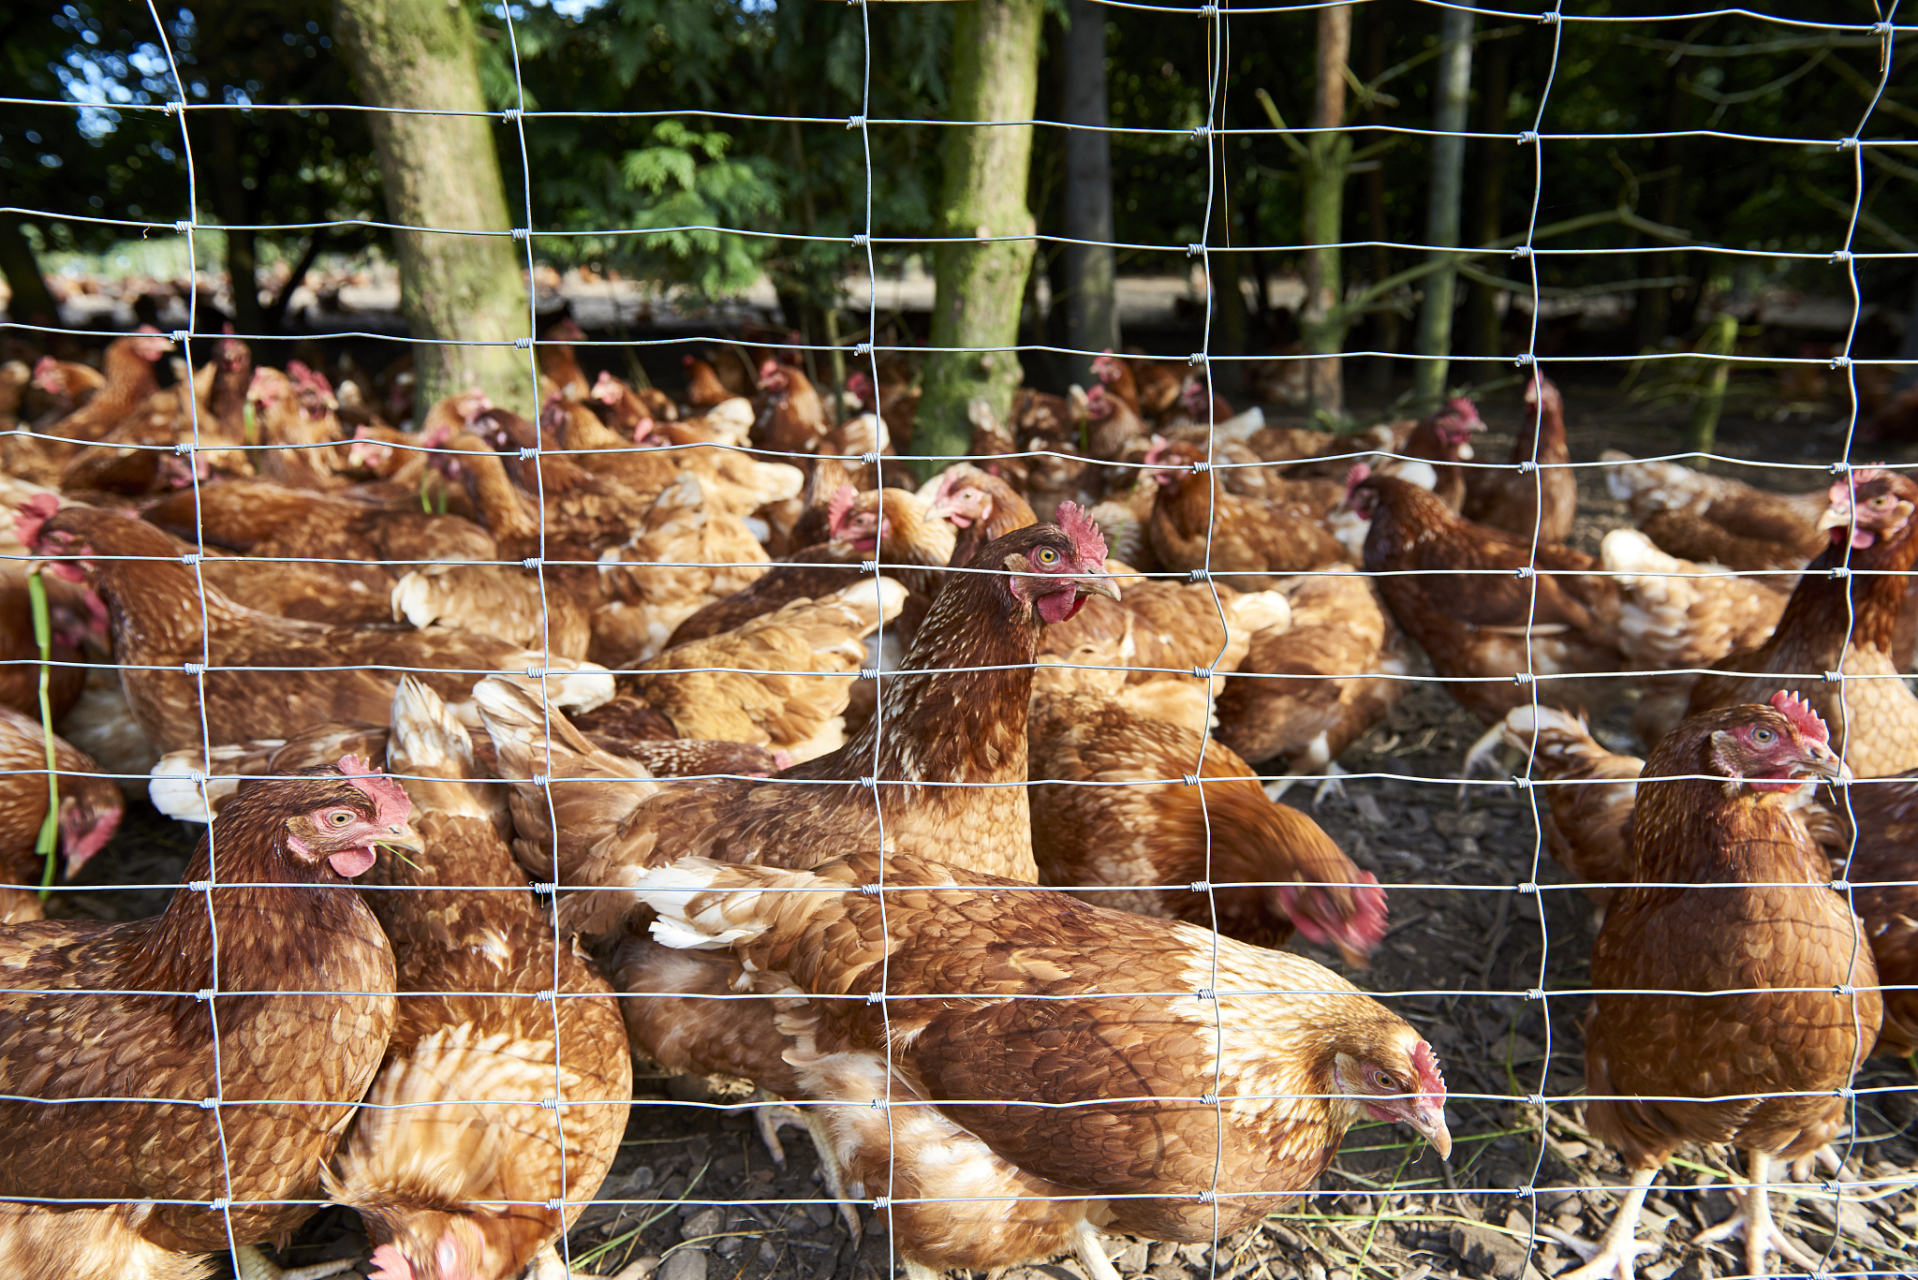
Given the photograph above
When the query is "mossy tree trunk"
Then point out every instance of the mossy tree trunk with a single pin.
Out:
(1328, 157)
(979, 287)
(442, 171)
(1488, 184)
(1451, 94)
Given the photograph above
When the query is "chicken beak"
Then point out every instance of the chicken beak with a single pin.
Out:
(1428, 1118)
(1106, 587)
(1823, 762)
(1834, 518)
(401, 835)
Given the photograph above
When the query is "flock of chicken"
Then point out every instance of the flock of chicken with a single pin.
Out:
(785, 818)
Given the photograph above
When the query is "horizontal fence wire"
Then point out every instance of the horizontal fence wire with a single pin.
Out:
(1534, 1108)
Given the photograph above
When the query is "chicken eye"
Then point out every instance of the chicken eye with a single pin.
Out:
(1882, 500)
(1048, 556)
(1384, 1080)
(1763, 737)
(339, 817)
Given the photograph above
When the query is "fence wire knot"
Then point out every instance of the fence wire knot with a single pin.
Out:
(861, 240)
(869, 566)
(1522, 677)
(1201, 133)
(855, 122)
(1834, 677)
(1841, 468)
(1841, 362)
(539, 779)
(173, 108)
(549, 1104)
(530, 562)
(1205, 993)
(1194, 250)
(1841, 990)
(529, 453)
(510, 115)
(183, 449)
(1845, 1091)
(546, 997)
(862, 349)
(868, 780)
(190, 559)
(183, 226)
(875, 997)
(536, 673)
(1841, 886)
(1201, 673)
(548, 889)
(1525, 1192)
(1522, 251)
(521, 344)
(194, 668)
(1207, 1197)
(1523, 571)
(1199, 575)
(1847, 144)
(1841, 257)
(1521, 782)
(1523, 359)
(869, 673)
(203, 995)
(1536, 993)
(201, 886)
(1530, 135)
(869, 458)
(1528, 887)
(1200, 468)
(1209, 1099)
(1200, 886)
(1191, 779)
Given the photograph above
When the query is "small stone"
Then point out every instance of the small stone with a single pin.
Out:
(1162, 1252)
(820, 1212)
(1570, 1223)
(727, 1246)
(1465, 847)
(702, 1223)
(638, 1269)
(1134, 1258)
(1660, 1270)
(766, 1253)
(1195, 1255)
(684, 1264)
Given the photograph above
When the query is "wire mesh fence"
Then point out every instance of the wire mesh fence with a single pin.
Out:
(1488, 953)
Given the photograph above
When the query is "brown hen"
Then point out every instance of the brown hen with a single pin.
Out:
(286, 920)
(1734, 992)
(457, 1124)
(1050, 1120)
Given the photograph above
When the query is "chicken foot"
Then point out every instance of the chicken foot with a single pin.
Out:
(1617, 1250)
(1091, 1246)
(1328, 773)
(251, 1264)
(547, 1264)
(769, 1120)
(1754, 1222)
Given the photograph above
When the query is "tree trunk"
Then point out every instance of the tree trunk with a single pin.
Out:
(1481, 309)
(1224, 272)
(1328, 156)
(31, 303)
(1652, 316)
(442, 171)
(1091, 305)
(229, 200)
(1385, 321)
(979, 287)
(1450, 95)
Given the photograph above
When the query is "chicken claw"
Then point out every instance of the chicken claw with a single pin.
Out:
(771, 1119)
(1753, 1222)
(250, 1264)
(1618, 1251)
(1329, 783)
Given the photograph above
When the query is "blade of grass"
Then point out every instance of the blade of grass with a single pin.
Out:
(47, 845)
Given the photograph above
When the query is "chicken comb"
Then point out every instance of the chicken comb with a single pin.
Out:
(1425, 1062)
(46, 375)
(839, 507)
(32, 516)
(1461, 407)
(1088, 539)
(1844, 486)
(1542, 391)
(1105, 367)
(607, 390)
(305, 376)
(1156, 450)
(391, 805)
(1802, 717)
(1358, 475)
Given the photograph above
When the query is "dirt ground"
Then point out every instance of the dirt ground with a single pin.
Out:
(695, 1195)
